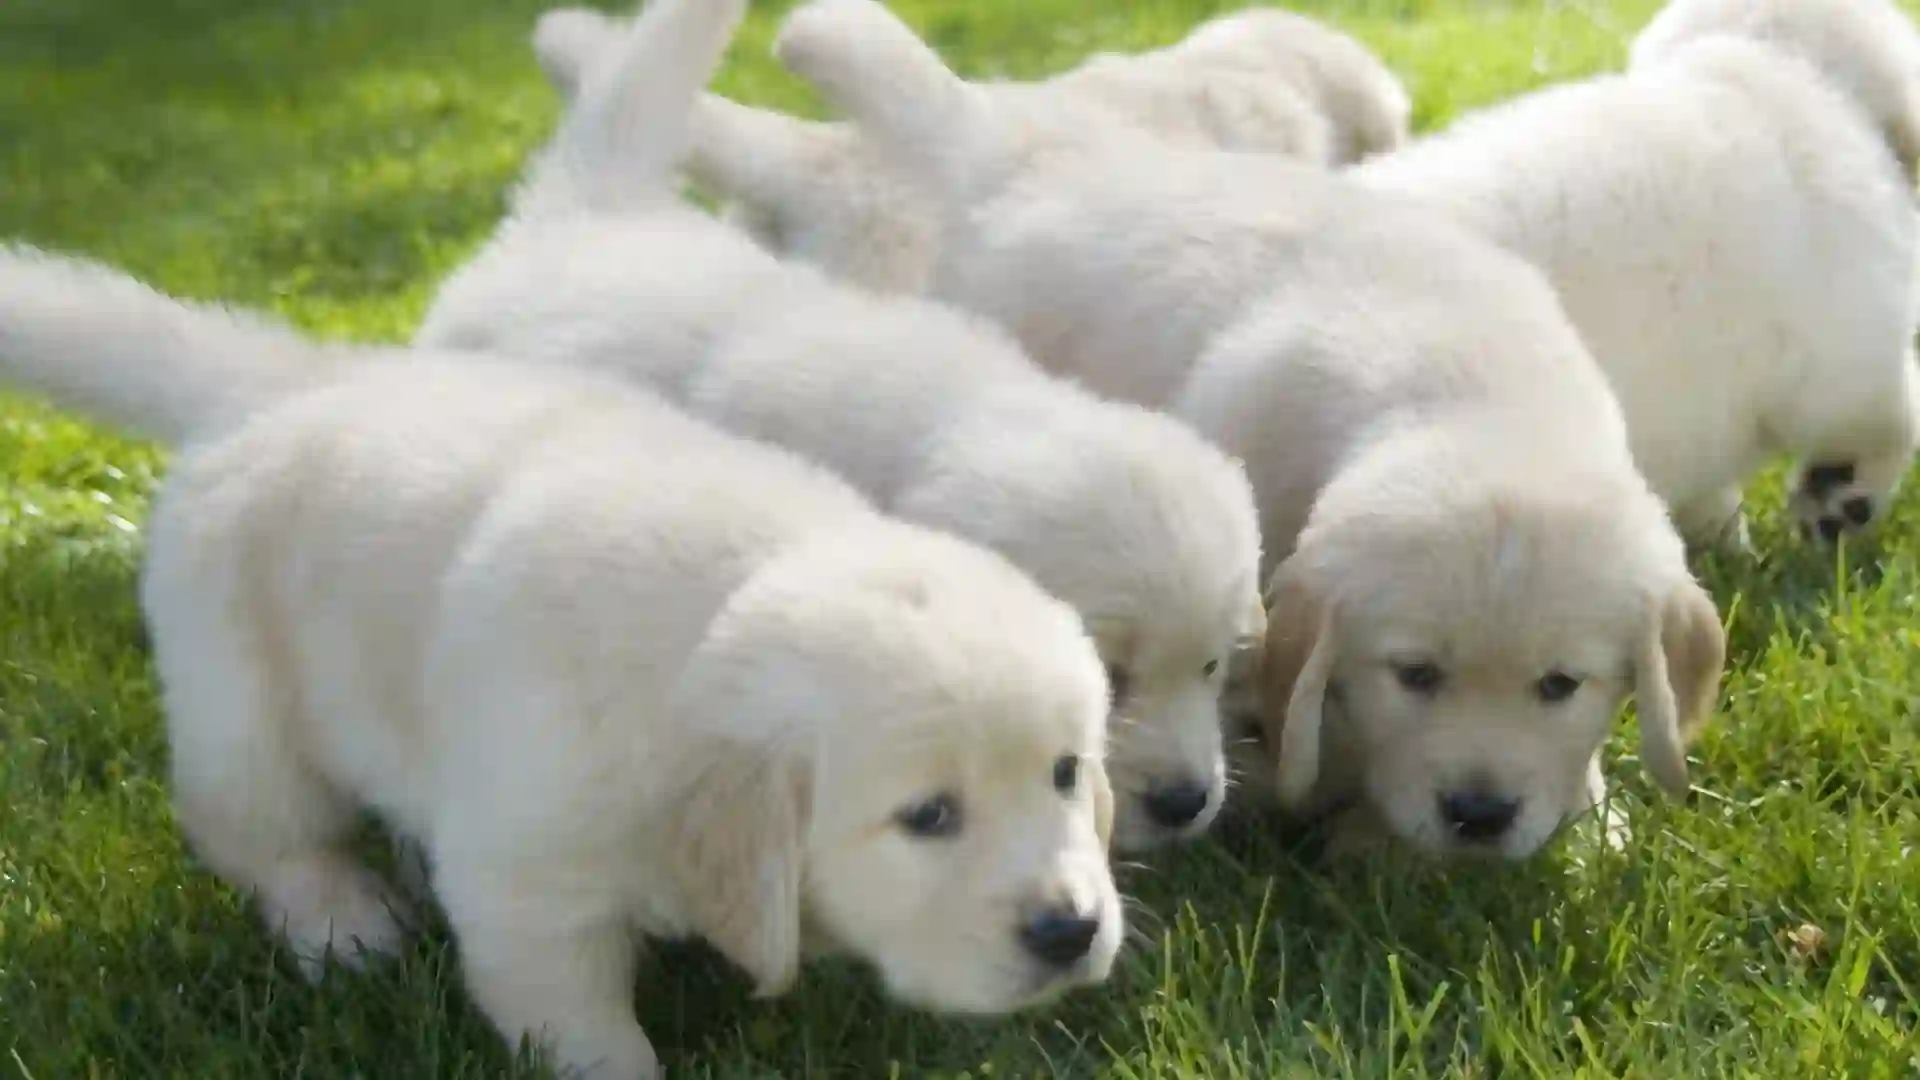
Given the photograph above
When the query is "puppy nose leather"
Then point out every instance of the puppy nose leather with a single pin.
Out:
(1059, 937)
(1176, 805)
(1479, 817)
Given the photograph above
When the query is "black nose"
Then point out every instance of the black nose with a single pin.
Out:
(1479, 817)
(1176, 806)
(1059, 937)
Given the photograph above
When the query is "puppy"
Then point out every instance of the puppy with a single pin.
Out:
(1469, 576)
(1266, 80)
(1730, 225)
(614, 670)
(1145, 528)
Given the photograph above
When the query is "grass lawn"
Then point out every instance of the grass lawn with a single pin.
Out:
(331, 159)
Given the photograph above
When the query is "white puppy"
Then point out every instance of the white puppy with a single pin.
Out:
(1256, 80)
(616, 671)
(1471, 574)
(1731, 226)
(1144, 527)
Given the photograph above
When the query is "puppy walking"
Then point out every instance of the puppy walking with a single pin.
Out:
(1132, 518)
(1469, 574)
(1730, 225)
(616, 671)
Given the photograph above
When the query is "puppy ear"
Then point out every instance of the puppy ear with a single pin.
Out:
(735, 842)
(1294, 669)
(1102, 807)
(1677, 681)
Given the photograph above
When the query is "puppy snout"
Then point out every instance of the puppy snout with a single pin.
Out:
(1858, 509)
(1175, 806)
(1060, 937)
(1477, 817)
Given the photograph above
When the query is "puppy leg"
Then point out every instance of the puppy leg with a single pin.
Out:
(251, 806)
(1716, 522)
(559, 976)
(1610, 819)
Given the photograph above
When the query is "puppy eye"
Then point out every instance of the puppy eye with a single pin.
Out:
(1556, 686)
(937, 817)
(1212, 666)
(1419, 677)
(1066, 774)
(1116, 685)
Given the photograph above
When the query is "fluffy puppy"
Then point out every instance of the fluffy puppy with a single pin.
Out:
(1144, 527)
(1730, 225)
(614, 670)
(1257, 80)
(1469, 574)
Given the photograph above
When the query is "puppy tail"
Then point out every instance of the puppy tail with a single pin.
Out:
(872, 67)
(627, 130)
(94, 340)
(569, 41)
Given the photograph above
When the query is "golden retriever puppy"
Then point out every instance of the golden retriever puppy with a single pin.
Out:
(1470, 576)
(1145, 528)
(1256, 80)
(617, 672)
(1730, 225)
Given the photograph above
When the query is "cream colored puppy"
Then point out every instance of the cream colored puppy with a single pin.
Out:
(1471, 576)
(1144, 527)
(1731, 226)
(1257, 80)
(619, 673)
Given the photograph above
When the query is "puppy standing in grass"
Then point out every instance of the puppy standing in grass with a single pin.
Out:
(1255, 80)
(1730, 224)
(617, 671)
(1471, 575)
(1144, 527)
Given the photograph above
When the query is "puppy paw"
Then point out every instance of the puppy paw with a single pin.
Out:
(1830, 502)
(327, 906)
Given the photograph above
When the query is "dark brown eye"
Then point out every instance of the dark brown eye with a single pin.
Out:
(1212, 666)
(1066, 774)
(1116, 685)
(935, 818)
(1556, 686)
(1418, 677)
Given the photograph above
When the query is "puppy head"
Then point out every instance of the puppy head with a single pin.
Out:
(1453, 646)
(1846, 486)
(1226, 109)
(1150, 534)
(896, 749)
(1366, 109)
(1867, 48)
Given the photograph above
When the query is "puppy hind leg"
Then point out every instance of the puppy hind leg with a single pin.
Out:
(253, 809)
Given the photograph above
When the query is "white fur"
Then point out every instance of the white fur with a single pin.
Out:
(1733, 234)
(1256, 80)
(1127, 515)
(615, 671)
(1443, 475)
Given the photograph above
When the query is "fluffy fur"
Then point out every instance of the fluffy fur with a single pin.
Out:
(1146, 529)
(1730, 225)
(614, 670)
(1469, 574)
(1256, 80)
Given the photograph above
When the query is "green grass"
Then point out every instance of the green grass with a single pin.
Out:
(331, 159)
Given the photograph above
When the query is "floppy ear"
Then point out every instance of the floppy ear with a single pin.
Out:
(1294, 669)
(1903, 136)
(566, 41)
(1102, 808)
(735, 843)
(1677, 680)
